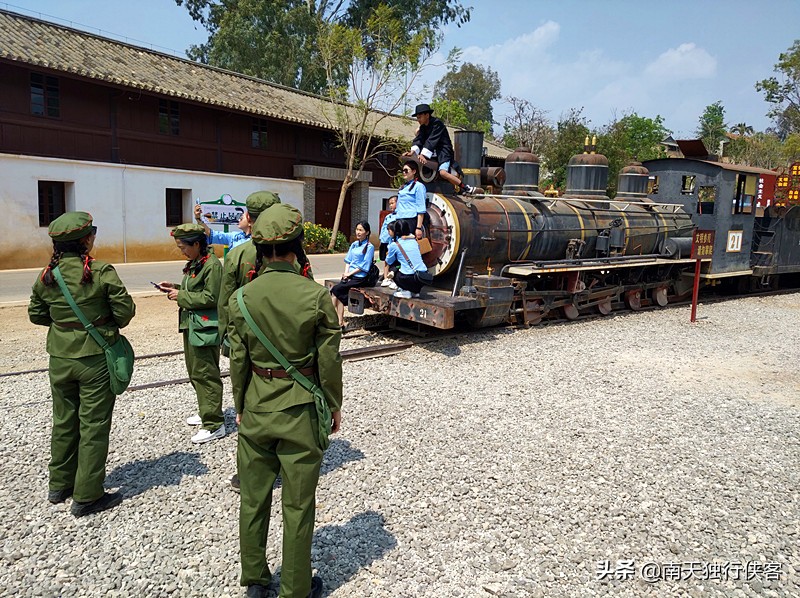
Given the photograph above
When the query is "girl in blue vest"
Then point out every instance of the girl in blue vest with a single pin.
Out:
(358, 263)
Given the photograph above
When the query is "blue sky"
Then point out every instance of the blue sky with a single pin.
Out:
(610, 57)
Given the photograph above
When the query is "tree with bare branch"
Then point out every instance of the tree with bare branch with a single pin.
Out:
(382, 63)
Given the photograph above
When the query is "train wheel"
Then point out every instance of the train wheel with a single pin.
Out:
(633, 299)
(660, 296)
(604, 307)
(533, 312)
(571, 312)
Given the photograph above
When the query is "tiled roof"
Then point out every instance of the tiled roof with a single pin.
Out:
(48, 45)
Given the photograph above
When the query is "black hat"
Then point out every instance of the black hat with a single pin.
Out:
(422, 109)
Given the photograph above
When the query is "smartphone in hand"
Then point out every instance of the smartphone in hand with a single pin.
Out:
(159, 287)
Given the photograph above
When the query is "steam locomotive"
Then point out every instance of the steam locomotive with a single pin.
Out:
(516, 255)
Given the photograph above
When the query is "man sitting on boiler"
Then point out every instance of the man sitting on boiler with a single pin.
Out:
(433, 141)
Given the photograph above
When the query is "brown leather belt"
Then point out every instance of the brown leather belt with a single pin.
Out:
(79, 326)
(270, 374)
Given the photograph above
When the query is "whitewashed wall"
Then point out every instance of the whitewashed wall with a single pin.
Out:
(376, 197)
(128, 204)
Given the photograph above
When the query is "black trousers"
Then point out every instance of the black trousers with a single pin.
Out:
(408, 282)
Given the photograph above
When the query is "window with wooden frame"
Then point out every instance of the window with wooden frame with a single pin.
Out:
(44, 96)
(258, 137)
(52, 201)
(169, 117)
(330, 145)
(174, 206)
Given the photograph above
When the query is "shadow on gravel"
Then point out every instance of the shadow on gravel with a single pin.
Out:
(338, 453)
(137, 477)
(339, 551)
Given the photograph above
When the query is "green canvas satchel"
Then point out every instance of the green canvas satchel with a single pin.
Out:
(203, 327)
(119, 356)
(324, 417)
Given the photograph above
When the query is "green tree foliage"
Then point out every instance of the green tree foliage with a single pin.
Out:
(712, 128)
(783, 92)
(762, 150)
(527, 126)
(452, 112)
(474, 87)
(570, 134)
(630, 138)
(791, 148)
(381, 64)
(277, 40)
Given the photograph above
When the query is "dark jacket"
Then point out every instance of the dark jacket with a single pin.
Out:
(433, 140)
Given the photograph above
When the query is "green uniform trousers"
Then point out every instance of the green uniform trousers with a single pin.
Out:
(82, 407)
(202, 364)
(270, 443)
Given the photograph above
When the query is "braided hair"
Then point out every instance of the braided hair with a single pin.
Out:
(59, 249)
(203, 257)
(294, 246)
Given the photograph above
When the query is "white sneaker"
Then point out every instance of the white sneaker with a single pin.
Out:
(402, 294)
(195, 420)
(393, 285)
(386, 282)
(414, 295)
(207, 435)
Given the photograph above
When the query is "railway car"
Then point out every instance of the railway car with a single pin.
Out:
(515, 255)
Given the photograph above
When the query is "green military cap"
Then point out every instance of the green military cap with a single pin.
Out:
(188, 230)
(259, 201)
(277, 224)
(71, 226)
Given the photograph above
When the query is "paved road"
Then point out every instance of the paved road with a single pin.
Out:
(15, 285)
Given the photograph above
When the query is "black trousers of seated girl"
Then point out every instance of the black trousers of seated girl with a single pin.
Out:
(405, 253)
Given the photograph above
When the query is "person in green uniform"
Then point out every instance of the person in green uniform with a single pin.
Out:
(79, 382)
(197, 297)
(239, 269)
(276, 415)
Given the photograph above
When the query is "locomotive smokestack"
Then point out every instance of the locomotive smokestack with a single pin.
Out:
(469, 151)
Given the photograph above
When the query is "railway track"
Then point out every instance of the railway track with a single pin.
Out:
(388, 349)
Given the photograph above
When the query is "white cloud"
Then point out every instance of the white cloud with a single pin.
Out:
(687, 61)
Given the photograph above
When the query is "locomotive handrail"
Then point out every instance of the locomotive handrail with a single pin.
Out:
(553, 200)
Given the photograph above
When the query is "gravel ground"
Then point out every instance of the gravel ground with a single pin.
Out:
(508, 463)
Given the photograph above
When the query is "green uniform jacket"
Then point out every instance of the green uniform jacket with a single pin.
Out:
(238, 262)
(297, 315)
(105, 296)
(200, 291)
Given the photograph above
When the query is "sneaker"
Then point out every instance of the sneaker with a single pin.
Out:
(393, 285)
(59, 496)
(235, 482)
(107, 501)
(402, 294)
(414, 295)
(194, 420)
(468, 190)
(386, 282)
(316, 587)
(207, 435)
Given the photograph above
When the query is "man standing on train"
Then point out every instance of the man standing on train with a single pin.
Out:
(433, 141)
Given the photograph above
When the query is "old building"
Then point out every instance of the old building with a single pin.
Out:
(135, 136)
